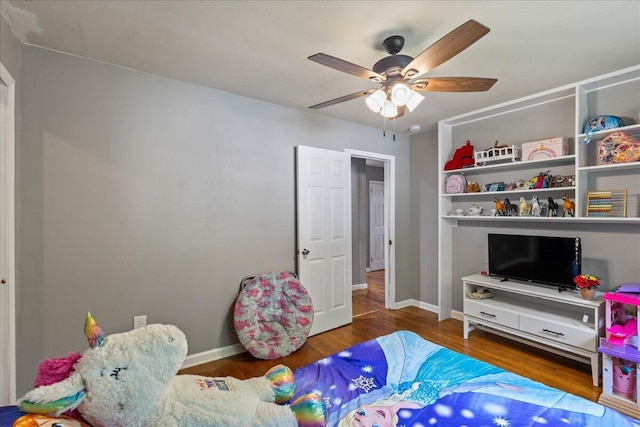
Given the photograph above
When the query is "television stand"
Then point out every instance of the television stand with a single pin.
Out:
(561, 322)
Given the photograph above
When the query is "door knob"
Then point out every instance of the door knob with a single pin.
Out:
(305, 252)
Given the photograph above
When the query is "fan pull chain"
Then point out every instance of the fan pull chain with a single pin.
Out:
(394, 129)
(384, 128)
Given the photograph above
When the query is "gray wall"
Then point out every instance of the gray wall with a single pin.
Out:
(609, 251)
(359, 230)
(140, 194)
(424, 213)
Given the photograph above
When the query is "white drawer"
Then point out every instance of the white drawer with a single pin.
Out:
(575, 335)
(491, 312)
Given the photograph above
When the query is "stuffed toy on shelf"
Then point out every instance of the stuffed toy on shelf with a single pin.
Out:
(462, 158)
(129, 379)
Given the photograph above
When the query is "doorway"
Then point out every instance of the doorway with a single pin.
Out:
(376, 226)
(374, 288)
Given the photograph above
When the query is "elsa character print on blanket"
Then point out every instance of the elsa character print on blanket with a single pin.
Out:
(403, 380)
(412, 386)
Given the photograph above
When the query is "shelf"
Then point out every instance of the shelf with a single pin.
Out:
(611, 168)
(601, 134)
(576, 220)
(532, 164)
(507, 193)
(569, 296)
(624, 351)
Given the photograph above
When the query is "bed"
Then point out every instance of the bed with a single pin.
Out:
(402, 379)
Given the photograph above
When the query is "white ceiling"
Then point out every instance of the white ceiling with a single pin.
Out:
(259, 49)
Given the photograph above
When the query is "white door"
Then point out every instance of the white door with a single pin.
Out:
(7, 237)
(324, 234)
(376, 225)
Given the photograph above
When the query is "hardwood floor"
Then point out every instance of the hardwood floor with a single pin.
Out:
(539, 365)
(370, 299)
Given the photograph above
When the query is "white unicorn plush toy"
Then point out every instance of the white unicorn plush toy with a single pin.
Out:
(129, 379)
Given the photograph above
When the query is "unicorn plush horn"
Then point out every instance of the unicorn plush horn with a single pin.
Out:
(93, 332)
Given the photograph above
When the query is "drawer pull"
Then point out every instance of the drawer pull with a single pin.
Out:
(488, 314)
(549, 331)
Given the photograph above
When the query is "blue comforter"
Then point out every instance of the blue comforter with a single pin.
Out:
(404, 380)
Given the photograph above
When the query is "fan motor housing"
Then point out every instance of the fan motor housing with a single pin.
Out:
(392, 64)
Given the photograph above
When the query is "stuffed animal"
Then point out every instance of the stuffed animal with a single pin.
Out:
(129, 379)
(462, 158)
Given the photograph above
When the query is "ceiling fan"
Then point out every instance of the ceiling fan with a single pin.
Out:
(398, 74)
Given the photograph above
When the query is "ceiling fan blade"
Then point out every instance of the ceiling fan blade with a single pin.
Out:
(446, 48)
(347, 67)
(452, 84)
(343, 99)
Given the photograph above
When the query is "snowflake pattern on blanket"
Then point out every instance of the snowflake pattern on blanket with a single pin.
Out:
(402, 380)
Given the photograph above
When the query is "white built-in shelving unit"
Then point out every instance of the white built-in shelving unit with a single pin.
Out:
(560, 112)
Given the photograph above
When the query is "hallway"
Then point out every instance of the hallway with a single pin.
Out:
(371, 299)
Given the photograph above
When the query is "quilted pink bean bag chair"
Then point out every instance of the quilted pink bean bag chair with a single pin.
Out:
(273, 315)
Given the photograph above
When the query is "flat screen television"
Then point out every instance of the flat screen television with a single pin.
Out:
(540, 260)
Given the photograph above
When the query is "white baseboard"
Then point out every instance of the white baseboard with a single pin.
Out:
(415, 303)
(212, 355)
(425, 306)
(457, 315)
(359, 286)
(231, 350)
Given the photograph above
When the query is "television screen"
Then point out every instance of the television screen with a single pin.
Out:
(544, 260)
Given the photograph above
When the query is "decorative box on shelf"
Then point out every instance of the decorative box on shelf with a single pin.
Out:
(545, 149)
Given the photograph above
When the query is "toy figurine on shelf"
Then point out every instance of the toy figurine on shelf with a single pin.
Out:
(569, 206)
(501, 208)
(511, 208)
(525, 208)
(535, 206)
(553, 207)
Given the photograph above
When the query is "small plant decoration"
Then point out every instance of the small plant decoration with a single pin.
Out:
(587, 284)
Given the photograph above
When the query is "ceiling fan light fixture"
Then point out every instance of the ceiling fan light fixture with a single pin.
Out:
(389, 110)
(376, 100)
(400, 94)
(414, 100)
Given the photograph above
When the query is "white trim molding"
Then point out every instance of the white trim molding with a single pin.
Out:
(389, 220)
(212, 355)
(7, 227)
